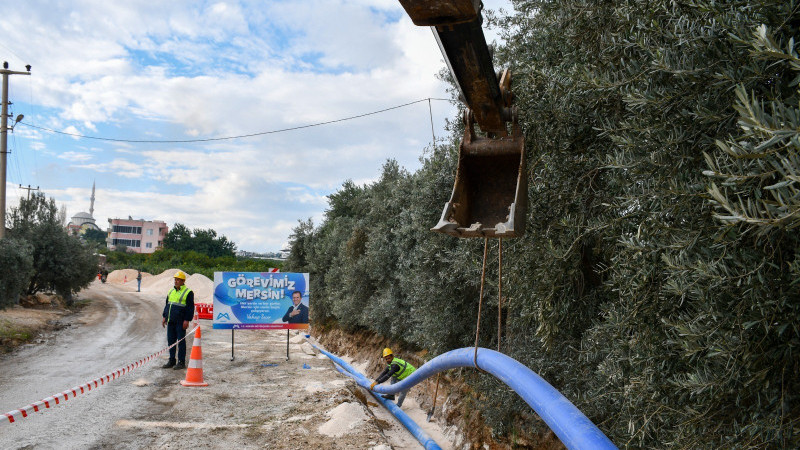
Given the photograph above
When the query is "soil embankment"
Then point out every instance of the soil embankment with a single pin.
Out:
(35, 316)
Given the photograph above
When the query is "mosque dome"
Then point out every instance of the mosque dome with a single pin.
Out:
(82, 218)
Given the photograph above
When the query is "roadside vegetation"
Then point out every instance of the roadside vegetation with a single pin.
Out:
(12, 335)
(193, 251)
(38, 255)
(658, 284)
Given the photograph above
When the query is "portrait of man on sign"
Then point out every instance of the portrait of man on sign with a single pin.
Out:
(259, 300)
(298, 312)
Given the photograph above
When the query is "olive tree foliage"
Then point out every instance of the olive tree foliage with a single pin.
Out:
(16, 259)
(300, 241)
(61, 263)
(669, 311)
(374, 265)
(756, 181)
(657, 286)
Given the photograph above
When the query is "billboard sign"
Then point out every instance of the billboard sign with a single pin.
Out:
(261, 300)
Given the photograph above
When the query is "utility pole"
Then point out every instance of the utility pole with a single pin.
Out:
(4, 143)
(29, 189)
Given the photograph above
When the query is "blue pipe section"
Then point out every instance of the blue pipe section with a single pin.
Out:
(574, 429)
(407, 422)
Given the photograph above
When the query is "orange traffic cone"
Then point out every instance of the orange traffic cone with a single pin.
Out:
(194, 373)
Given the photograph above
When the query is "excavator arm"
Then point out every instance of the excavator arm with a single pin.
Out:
(489, 196)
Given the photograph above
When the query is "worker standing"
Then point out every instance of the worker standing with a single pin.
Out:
(139, 282)
(178, 312)
(397, 370)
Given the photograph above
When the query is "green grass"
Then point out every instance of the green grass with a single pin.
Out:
(12, 336)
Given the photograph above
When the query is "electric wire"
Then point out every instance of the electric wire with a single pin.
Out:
(227, 138)
(12, 52)
(32, 112)
(16, 158)
(12, 163)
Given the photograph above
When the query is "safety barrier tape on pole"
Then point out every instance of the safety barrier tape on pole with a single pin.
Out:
(63, 396)
(571, 426)
(427, 442)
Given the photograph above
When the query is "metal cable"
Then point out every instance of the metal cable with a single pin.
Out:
(480, 301)
(499, 290)
(430, 113)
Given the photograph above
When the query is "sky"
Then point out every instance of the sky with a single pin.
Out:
(188, 70)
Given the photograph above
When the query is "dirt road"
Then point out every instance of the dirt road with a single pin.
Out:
(116, 328)
(257, 400)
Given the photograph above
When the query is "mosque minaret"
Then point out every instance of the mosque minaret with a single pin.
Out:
(82, 221)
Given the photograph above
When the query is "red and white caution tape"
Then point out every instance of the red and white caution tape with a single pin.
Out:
(63, 396)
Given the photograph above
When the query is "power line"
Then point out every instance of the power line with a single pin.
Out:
(227, 138)
(12, 52)
(32, 112)
(16, 159)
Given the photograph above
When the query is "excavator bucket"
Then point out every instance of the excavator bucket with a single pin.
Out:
(490, 195)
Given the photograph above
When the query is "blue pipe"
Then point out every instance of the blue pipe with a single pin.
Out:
(407, 422)
(574, 429)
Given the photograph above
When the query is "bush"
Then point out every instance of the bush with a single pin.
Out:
(61, 263)
(16, 259)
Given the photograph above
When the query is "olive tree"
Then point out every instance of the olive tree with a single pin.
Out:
(61, 263)
(16, 258)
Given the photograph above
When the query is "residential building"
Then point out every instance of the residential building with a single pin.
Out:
(139, 236)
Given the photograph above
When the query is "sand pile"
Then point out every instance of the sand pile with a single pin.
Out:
(120, 276)
(162, 282)
(202, 287)
(308, 349)
(344, 419)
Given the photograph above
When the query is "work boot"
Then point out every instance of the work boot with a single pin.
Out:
(169, 364)
(388, 396)
(179, 366)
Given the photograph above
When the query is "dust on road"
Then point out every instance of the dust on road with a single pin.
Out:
(258, 400)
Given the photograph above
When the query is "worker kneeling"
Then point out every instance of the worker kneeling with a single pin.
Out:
(398, 370)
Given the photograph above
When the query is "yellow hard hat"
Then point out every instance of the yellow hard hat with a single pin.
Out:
(180, 275)
(387, 351)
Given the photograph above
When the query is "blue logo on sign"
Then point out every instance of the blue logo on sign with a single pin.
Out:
(223, 316)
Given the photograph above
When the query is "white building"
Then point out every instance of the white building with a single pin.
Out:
(83, 221)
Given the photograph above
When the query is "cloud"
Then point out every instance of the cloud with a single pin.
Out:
(75, 156)
(181, 70)
(119, 167)
(72, 130)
